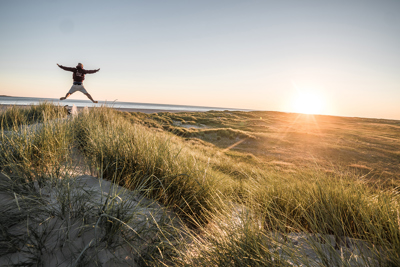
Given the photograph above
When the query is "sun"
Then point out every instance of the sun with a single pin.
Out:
(308, 103)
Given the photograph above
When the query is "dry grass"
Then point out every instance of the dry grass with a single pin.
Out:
(302, 141)
(255, 188)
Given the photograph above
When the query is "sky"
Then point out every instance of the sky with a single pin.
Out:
(313, 56)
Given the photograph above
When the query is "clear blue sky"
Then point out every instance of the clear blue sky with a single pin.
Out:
(238, 54)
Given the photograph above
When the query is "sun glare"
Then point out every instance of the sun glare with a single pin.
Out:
(308, 103)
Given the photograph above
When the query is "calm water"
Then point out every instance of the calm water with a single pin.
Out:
(84, 103)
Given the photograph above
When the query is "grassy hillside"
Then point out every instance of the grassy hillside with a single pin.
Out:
(249, 188)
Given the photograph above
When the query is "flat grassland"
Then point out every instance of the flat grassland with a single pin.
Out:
(217, 188)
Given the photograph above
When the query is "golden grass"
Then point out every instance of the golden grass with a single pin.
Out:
(242, 183)
(305, 141)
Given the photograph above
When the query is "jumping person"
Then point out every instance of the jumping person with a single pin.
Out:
(78, 76)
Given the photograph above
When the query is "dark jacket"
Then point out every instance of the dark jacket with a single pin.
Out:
(78, 72)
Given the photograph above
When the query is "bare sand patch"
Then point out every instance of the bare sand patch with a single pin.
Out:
(75, 221)
(187, 125)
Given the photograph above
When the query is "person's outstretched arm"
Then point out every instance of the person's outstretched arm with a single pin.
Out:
(66, 68)
(92, 71)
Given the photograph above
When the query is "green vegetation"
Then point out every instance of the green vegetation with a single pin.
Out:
(245, 188)
(136, 156)
(15, 116)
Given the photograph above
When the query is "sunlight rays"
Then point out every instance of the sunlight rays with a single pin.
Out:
(306, 103)
(301, 120)
(235, 144)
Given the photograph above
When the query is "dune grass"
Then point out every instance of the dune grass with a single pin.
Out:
(335, 222)
(38, 148)
(136, 156)
(62, 223)
(238, 210)
(289, 140)
(338, 206)
(46, 210)
(14, 116)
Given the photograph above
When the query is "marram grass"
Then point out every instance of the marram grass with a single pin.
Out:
(238, 213)
(134, 155)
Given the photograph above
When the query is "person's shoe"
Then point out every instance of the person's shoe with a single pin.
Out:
(63, 98)
(95, 101)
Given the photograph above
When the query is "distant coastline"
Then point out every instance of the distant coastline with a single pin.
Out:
(123, 106)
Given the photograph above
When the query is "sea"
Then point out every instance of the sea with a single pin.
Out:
(11, 100)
